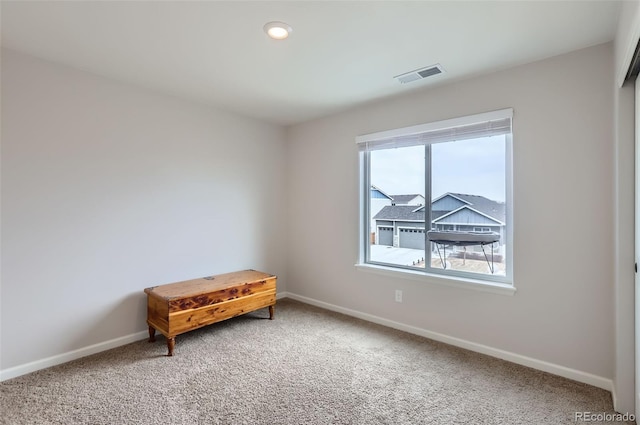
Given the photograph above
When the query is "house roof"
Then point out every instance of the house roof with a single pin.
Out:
(400, 212)
(486, 206)
(404, 199)
(492, 209)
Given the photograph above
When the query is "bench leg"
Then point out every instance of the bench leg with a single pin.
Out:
(171, 342)
(270, 312)
(152, 334)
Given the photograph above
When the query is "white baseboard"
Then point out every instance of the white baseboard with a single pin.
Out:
(576, 375)
(16, 371)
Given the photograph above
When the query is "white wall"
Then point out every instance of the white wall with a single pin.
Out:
(108, 189)
(563, 215)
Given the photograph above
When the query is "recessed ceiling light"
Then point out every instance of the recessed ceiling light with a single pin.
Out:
(277, 30)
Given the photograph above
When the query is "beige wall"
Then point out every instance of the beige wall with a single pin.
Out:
(108, 189)
(563, 179)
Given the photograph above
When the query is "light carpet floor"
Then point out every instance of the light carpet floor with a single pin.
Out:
(307, 366)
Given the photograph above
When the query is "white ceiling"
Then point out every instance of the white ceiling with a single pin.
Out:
(340, 54)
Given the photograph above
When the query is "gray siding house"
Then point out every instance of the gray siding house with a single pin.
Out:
(379, 199)
(404, 225)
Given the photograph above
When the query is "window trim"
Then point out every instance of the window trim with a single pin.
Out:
(448, 277)
(410, 135)
(437, 279)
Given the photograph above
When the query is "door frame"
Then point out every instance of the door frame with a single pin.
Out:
(633, 75)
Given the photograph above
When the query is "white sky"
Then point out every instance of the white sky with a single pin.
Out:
(474, 167)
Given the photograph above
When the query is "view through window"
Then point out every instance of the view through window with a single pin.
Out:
(440, 207)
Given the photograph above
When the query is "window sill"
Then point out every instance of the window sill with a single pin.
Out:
(456, 282)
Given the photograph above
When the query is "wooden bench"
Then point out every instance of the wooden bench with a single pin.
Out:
(180, 307)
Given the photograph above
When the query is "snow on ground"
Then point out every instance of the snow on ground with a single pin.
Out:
(391, 255)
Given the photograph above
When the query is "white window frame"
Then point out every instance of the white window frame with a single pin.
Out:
(412, 136)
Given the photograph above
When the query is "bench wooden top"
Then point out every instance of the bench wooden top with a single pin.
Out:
(207, 284)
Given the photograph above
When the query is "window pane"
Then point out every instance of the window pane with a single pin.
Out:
(468, 195)
(397, 230)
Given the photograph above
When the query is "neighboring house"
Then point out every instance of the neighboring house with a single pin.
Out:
(380, 199)
(413, 199)
(403, 225)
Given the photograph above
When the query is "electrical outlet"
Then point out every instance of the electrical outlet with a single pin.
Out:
(398, 296)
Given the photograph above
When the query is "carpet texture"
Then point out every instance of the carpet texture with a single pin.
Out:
(307, 366)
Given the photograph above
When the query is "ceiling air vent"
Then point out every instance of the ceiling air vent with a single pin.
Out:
(420, 74)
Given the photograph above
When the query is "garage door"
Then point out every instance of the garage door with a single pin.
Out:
(412, 238)
(385, 236)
